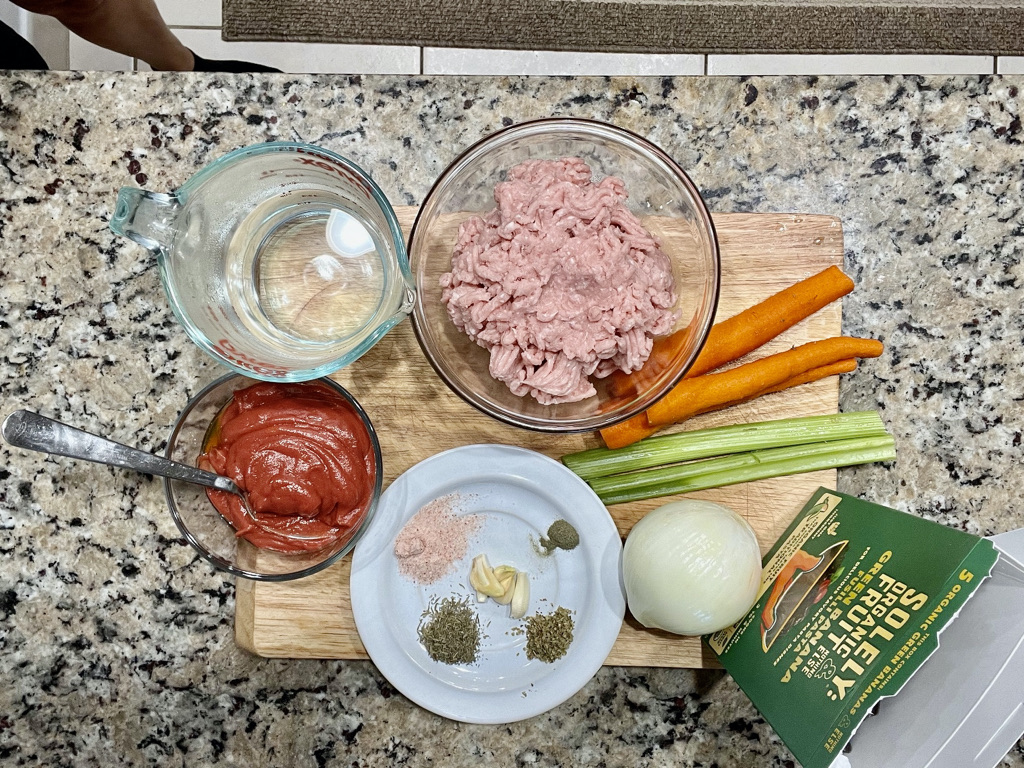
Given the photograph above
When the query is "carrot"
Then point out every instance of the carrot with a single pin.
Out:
(637, 428)
(733, 338)
(743, 333)
(632, 430)
(807, 377)
(848, 365)
(701, 394)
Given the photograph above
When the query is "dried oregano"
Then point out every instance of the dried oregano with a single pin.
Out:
(450, 631)
(548, 636)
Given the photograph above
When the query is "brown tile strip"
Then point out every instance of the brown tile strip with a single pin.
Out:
(668, 26)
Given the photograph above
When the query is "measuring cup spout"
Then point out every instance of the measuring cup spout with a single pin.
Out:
(146, 217)
(408, 300)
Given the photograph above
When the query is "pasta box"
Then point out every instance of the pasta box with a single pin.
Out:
(880, 638)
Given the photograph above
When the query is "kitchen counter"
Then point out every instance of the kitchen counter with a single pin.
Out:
(117, 642)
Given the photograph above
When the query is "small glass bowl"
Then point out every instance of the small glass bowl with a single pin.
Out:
(660, 194)
(209, 533)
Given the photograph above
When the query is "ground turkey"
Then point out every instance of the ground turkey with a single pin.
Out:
(559, 282)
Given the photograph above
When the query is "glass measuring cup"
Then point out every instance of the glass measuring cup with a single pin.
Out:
(283, 261)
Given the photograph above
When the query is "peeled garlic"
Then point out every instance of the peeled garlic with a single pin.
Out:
(505, 584)
(504, 573)
(482, 578)
(520, 596)
(507, 578)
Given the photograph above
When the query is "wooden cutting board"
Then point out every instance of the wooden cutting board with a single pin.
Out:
(416, 416)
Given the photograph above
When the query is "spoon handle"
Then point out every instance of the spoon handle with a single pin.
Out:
(24, 429)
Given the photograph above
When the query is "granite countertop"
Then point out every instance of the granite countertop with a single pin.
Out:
(117, 642)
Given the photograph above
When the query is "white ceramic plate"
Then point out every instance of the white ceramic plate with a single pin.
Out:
(519, 493)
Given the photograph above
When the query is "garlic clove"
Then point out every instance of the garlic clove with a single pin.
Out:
(478, 573)
(482, 578)
(520, 596)
(504, 572)
(509, 583)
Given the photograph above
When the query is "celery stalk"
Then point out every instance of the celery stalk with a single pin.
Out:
(720, 441)
(742, 468)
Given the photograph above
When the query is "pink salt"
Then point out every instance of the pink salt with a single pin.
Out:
(433, 541)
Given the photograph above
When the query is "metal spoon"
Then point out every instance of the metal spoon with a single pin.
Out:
(25, 429)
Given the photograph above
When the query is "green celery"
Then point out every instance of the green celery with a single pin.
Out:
(742, 468)
(719, 441)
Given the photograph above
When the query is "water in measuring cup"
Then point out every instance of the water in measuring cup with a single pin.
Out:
(312, 275)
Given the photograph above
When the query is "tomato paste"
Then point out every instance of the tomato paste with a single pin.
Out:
(303, 457)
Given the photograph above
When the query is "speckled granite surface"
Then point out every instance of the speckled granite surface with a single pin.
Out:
(116, 643)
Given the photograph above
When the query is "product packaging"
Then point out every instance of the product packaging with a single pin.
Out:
(883, 639)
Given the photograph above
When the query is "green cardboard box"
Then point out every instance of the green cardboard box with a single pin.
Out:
(853, 599)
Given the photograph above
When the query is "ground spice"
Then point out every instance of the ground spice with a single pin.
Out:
(434, 540)
(548, 636)
(561, 535)
(450, 631)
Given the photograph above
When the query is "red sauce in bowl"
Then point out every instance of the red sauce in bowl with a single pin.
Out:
(304, 458)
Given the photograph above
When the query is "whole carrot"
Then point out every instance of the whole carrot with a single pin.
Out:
(693, 396)
(753, 327)
(815, 374)
(735, 337)
(637, 428)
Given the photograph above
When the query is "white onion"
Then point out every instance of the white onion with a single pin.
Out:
(691, 567)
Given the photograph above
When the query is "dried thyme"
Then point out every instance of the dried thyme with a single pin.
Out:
(450, 631)
(548, 636)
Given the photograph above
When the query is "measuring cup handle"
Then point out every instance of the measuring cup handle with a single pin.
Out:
(24, 429)
(146, 217)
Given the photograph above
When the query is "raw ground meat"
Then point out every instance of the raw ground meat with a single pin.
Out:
(559, 282)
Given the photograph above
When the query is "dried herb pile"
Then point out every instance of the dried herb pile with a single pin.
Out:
(561, 535)
(548, 636)
(450, 631)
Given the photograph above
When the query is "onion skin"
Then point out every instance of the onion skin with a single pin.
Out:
(691, 567)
